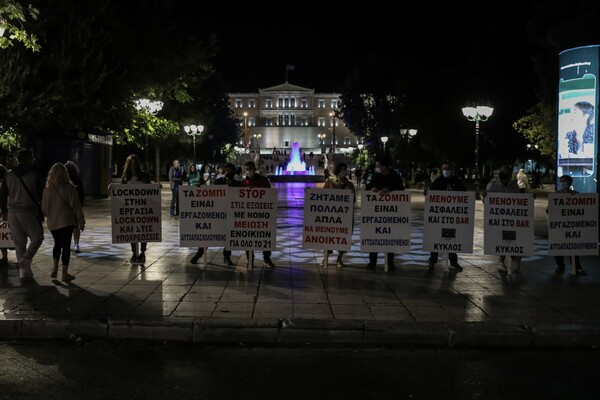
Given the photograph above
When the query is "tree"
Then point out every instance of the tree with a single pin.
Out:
(12, 18)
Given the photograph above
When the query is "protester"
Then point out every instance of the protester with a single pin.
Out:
(565, 187)
(447, 181)
(62, 208)
(504, 184)
(20, 197)
(339, 181)
(228, 178)
(384, 180)
(253, 179)
(133, 173)
(75, 178)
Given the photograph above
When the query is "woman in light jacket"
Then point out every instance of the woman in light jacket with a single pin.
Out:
(62, 208)
(522, 180)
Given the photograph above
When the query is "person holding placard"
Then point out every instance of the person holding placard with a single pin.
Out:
(447, 181)
(339, 181)
(565, 187)
(504, 184)
(384, 180)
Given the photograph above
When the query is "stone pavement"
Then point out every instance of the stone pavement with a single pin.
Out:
(299, 302)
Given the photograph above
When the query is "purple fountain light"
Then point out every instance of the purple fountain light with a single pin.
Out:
(296, 166)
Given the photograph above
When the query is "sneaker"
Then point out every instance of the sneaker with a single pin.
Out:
(456, 266)
(323, 263)
(67, 278)
(340, 263)
(141, 258)
(25, 273)
(269, 263)
(76, 249)
(133, 259)
(228, 261)
(502, 267)
(580, 272)
(371, 266)
(560, 269)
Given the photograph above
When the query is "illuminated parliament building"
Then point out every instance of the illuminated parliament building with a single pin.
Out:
(274, 118)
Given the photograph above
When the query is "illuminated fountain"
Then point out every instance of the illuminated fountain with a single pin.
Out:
(295, 166)
(295, 170)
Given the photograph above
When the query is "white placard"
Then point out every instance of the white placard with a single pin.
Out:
(251, 218)
(385, 222)
(202, 215)
(572, 224)
(328, 217)
(135, 213)
(448, 221)
(508, 224)
(6, 239)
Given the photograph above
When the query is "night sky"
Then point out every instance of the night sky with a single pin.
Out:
(445, 55)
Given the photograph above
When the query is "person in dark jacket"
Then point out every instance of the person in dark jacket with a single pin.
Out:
(384, 180)
(228, 178)
(447, 181)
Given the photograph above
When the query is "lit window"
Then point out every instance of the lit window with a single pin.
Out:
(321, 121)
(252, 103)
(304, 103)
(238, 103)
(321, 103)
(269, 103)
(334, 103)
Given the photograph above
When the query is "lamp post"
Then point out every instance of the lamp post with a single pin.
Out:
(409, 133)
(193, 131)
(477, 114)
(257, 137)
(384, 140)
(530, 150)
(245, 141)
(334, 140)
(321, 137)
(151, 107)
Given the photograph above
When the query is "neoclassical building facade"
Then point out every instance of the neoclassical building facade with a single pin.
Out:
(278, 116)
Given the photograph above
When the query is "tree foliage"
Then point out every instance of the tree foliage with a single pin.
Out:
(12, 18)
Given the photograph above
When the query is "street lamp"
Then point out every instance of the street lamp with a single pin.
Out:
(151, 107)
(334, 140)
(409, 133)
(530, 149)
(193, 131)
(477, 114)
(257, 137)
(245, 141)
(384, 140)
(321, 137)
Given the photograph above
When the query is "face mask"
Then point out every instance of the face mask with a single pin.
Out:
(564, 186)
(377, 170)
(447, 173)
(343, 173)
(250, 174)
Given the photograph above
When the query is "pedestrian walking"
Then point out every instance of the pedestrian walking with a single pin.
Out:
(20, 197)
(75, 177)
(62, 208)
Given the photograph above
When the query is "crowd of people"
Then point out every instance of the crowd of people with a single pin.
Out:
(27, 199)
